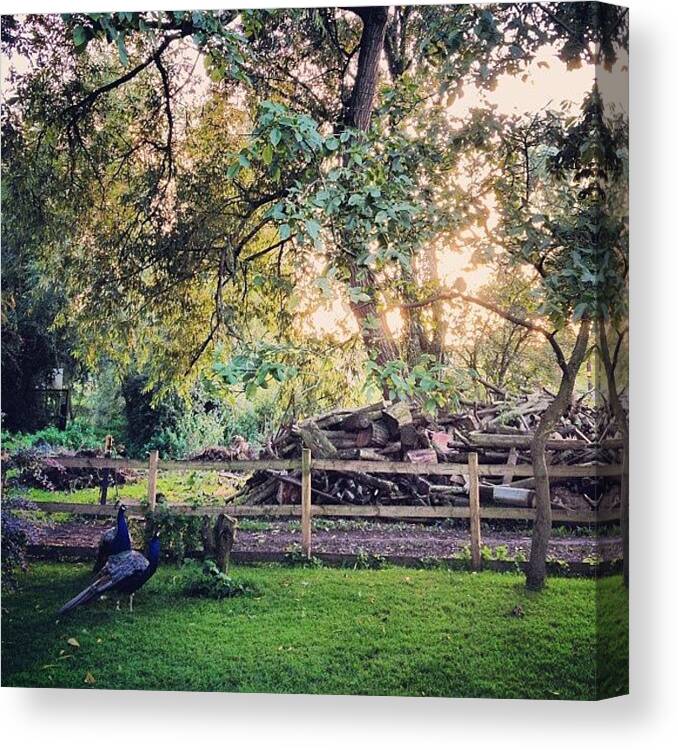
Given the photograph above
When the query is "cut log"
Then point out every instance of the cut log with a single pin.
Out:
(513, 496)
(355, 422)
(397, 416)
(510, 463)
(440, 440)
(409, 437)
(383, 485)
(391, 449)
(374, 435)
(314, 439)
(424, 456)
(284, 478)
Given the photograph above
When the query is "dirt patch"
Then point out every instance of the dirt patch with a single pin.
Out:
(377, 539)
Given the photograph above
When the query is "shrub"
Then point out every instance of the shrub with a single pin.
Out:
(366, 561)
(294, 555)
(77, 436)
(17, 533)
(208, 581)
(179, 535)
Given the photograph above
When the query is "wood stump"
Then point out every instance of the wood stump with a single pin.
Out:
(224, 537)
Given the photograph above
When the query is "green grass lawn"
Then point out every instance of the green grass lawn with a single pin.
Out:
(321, 630)
(177, 487)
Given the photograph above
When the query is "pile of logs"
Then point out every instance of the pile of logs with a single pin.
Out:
(40, 467)
(500, 433)
(238, 450)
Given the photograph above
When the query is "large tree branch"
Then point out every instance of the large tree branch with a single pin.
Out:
(87, 102)
(451, 294)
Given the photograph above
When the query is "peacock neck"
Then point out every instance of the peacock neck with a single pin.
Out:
(153, 555)
(121, 522)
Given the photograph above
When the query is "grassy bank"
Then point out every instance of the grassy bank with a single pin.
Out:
(388, 632)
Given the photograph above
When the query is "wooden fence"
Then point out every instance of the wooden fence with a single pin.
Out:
(307, 510)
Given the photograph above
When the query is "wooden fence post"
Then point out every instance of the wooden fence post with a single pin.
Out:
(306, 502)
(474, 509)
(152, 478)
(106, 473)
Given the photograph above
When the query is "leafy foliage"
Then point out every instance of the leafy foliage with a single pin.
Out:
(209, 582)
(79, 434)
(210, 233)
(17, 532)
(180, 534)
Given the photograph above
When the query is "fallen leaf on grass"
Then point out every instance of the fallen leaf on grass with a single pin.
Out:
(73, 642)
(89, 679)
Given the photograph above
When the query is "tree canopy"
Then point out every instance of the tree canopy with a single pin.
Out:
(315, 157)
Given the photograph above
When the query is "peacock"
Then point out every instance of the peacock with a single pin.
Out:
(114, 540)
(125, 573)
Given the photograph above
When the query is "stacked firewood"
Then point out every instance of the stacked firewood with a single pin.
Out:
(40, 467)
(238, 450)
(500, 433)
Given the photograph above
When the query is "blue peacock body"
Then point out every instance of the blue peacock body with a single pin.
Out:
(124, 573)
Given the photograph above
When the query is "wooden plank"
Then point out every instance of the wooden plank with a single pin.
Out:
(511, 462)
(382, 467)
(337, 511)
(491, 470)
(79, 462)
(474, 509)
(152, 478)
(493, 440)
(306, 502)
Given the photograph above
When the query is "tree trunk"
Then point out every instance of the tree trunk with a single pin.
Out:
(376, 334)
(541, 532)
(359, 110)
(621, 419)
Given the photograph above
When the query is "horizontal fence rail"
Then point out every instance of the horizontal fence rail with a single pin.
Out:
(363, 467)
(402, 512)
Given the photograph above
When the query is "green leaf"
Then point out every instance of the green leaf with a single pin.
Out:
(332, 144)
(579, 310)
(313, 228)
(275, 136)
(285, 231)
(122, 50)
(267, 154)
(80, 36)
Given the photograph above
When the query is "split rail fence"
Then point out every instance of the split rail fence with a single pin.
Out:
(308, 510)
